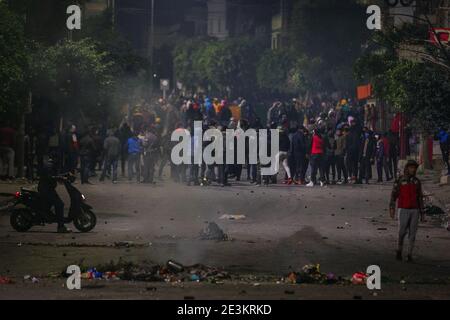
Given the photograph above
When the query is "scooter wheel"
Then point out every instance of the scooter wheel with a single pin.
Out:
(85, 221)
(21, 220)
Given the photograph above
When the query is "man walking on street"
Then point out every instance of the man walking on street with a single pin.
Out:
(87, 151)
(407, 192)
(134, 157)
(112, 148)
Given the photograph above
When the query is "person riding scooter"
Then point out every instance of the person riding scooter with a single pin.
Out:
(47, 191)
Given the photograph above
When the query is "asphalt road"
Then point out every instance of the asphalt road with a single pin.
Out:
(343, 228)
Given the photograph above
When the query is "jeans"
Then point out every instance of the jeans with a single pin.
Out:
(341, 168)
(85, 168)
(317, 164)
(149, 167)
(408, 224)
(110, 165)
(134, 162)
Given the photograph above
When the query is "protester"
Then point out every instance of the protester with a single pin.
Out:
(112, 150)
(87, 154)
(134, 157)
(407, 192)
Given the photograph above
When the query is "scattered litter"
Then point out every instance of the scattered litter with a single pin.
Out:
(382, 229)
(6, 280)
(232, 217)
(174, 266)
(432, 210)
(310, 273)
(195, 277)
(359, 278)
(213, 232)
(34, 280)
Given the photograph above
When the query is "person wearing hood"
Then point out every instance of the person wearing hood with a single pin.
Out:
(352, 147)
(407, 192)
(367, 152)
(317, 158)
(444, 142)
(379, 157)
(298, 153)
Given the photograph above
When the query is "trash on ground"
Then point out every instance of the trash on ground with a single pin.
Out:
(213, 232)
(6, 280)
(310, 273)
(359, 278)
(432, 210)
(232, 217)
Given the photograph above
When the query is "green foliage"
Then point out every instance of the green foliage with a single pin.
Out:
(13, 64)
(221, 66)
(74, 75)
(421, 90)
(332, 32)
(273, 71)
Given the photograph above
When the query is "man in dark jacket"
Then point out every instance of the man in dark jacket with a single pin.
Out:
(367, 152)
(353, 143)
(87, 152)
(298, 152)
(112, 150)
(47, 190)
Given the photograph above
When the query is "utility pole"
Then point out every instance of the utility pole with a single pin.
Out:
(151, 45)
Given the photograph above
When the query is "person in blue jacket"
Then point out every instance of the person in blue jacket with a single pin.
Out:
(134, 157)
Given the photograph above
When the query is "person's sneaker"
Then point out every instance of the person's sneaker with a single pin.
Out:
(409, 258)
(63, 229)
(290, 181)
(311, 184)
(398, 255)
(322, 184)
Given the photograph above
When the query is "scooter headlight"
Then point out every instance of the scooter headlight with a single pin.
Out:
(83, 197)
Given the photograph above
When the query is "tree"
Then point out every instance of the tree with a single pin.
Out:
(75, 76)
(273, 70)
(13, 64)
(421, 90)
(332, 32)
(223, 67)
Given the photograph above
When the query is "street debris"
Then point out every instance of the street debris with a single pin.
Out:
(213, 232)
(6, 280)
(172, 272)
(432, 210)
(310, 273)
(232, 217)
(359, 278)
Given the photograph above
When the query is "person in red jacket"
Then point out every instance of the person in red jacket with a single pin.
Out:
(317, 153)
(407, 192)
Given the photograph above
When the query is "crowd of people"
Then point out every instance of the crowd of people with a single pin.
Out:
(321, 142)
